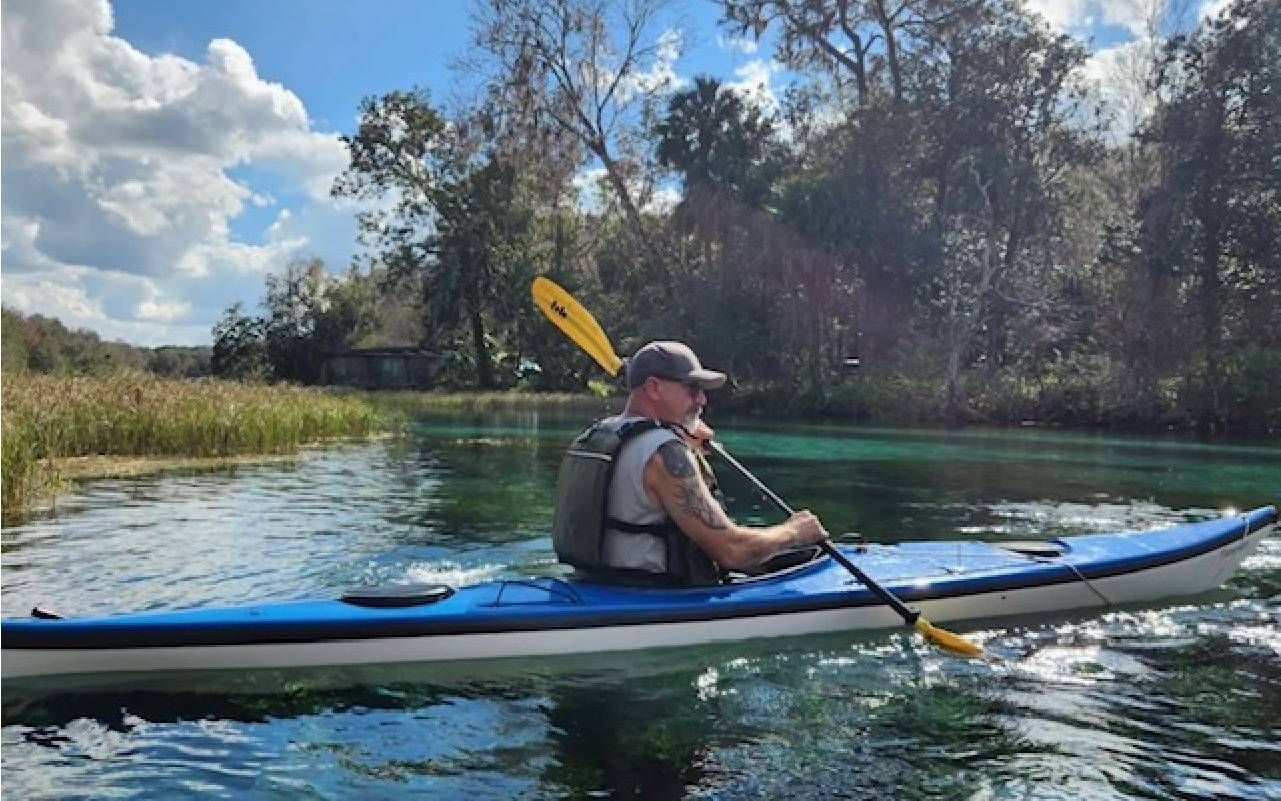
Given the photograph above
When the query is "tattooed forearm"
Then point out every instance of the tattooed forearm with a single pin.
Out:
(676, 459)
(691, 499)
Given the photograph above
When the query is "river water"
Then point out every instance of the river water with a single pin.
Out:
(1177, 700)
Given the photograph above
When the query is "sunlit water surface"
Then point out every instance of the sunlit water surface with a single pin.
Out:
(1179, 700)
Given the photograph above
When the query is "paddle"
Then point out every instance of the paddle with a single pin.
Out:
(912, 617)
(578, 324)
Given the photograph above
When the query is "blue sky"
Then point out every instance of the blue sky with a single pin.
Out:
(329, 53)
(160, 158)
(332, 54)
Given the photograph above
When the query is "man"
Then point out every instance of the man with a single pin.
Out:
(632, 503)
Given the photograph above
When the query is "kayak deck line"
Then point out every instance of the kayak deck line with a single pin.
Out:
(548, 615)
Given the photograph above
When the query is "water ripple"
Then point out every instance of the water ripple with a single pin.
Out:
(1174, 701)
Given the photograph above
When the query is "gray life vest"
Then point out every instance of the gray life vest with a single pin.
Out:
(582, 514)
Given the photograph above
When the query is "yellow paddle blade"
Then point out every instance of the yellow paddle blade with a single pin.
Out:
(577, 323)
(946, 639)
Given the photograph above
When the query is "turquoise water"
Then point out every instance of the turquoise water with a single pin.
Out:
(1178, 700)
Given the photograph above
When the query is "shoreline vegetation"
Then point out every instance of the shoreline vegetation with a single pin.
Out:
(410, 402)
(59, 428)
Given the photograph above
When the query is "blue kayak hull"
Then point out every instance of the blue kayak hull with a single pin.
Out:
(948, 581)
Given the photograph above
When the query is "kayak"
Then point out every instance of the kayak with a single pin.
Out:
(948, 581)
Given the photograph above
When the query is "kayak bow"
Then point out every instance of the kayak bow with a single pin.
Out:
(948, 581)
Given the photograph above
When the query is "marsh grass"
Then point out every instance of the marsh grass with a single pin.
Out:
(47, 418)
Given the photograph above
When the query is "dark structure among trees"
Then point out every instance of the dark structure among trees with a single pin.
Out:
(382, 368)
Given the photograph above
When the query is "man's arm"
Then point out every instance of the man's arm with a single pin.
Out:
(672, 478)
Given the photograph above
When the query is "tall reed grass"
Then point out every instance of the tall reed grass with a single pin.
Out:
(49, 417)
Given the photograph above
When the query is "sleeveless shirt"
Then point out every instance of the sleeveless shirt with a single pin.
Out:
(629, 502)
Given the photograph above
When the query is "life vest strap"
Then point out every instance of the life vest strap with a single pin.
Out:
(652, 529)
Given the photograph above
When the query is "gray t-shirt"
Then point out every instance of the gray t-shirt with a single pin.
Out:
(629, 502)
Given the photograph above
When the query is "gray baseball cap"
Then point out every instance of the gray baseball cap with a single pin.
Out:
(673, 361)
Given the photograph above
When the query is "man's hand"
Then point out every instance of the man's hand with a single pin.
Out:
(700, 436)
(806, 528)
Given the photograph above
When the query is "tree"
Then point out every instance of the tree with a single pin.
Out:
(756, 286)
(13, 342)
(44, 345)
(475, 217)
(308, 315)
(458, 222)
(1214, 218)
(178, 362)
(1010, 120)
(239, 350)
(848, 40)
(721, 144)
(581, 64)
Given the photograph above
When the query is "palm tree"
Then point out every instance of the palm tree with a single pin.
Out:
(720, 142)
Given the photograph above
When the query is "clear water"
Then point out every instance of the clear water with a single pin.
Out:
(1178, 700)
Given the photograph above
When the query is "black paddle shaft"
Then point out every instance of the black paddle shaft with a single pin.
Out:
(908, 614)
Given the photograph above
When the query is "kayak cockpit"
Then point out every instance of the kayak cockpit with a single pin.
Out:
(397, 596)
(1046, 549)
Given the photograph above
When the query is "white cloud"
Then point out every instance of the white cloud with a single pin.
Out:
(1211, 9)
(755, 82)
(69, 303)
(1079, 16)
(116, 304)
(737, 44)
(663, 200)
(309, 159)
(118, 201)
(163, 311)
(1118, 76)
(661, 75)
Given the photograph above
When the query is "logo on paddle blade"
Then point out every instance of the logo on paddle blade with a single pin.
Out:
(560, 310)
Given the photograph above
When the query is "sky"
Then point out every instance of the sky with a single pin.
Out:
(159, 159)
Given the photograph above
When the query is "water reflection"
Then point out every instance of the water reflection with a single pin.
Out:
(659, 726)
(824, 717)
(568, 732)
(644, 737)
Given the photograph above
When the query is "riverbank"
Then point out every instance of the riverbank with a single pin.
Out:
(154, 423)
(59, 429)
(1080, 400)
(1074, 403)
(408, 403)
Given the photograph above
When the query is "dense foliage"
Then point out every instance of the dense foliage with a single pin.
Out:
(939, 222)
(38, 344)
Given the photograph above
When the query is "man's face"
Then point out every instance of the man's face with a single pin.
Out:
(681, 402)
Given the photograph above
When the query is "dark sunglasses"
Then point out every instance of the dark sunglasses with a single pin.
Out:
(693, 386)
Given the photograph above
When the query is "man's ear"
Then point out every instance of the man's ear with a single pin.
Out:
(651, 389)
